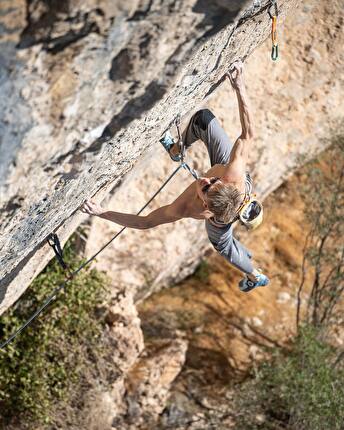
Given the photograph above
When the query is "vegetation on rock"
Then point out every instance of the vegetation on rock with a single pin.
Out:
(301, 388)
(54, 361)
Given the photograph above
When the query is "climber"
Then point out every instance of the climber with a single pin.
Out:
(217, 196)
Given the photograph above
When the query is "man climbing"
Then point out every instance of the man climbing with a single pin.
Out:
(216, 197)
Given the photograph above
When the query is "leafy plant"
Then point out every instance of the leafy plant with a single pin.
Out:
(301, 388)
(50, 360)
(202, 271)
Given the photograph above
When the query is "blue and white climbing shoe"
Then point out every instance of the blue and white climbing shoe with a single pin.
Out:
(247, 285)
(167, 142)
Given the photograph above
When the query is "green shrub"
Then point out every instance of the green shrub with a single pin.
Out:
(49, 360)
(202, 271)
(299, 389)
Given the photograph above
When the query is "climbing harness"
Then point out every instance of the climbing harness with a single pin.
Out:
(273, 16)
(54, 242)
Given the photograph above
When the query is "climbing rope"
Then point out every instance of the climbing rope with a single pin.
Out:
(180, 139)
(273, 16)
(182, 149)
(55, 244)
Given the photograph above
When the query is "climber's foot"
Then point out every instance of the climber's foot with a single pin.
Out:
(247, 284)
(170, 146)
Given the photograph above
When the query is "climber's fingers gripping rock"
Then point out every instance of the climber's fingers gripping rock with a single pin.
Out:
(235, 74)
(92, 208)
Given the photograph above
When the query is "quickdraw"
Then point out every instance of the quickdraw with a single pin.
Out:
(168, 142)
(274, 16)
(180, 139)
(54, 242)
(182, 149)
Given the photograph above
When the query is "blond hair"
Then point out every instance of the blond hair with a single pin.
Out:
(224, 202)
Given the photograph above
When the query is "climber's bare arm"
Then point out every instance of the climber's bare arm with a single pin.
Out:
(163, 215)
(236, 166)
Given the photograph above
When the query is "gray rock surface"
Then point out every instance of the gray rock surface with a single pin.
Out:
(148, 382)
(96, 83)
(296, 104)
(126, 68)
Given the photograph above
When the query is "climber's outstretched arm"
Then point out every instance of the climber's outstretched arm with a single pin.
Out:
(237, 80)
(163, 215)
(239, 153)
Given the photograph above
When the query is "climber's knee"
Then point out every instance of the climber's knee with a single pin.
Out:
(202, 118)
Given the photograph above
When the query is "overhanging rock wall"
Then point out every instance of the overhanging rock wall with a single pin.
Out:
(296, 105)
(79, 72)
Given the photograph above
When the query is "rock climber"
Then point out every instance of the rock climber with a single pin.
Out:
(215, 197)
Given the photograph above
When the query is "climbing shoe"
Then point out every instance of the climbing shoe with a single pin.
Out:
(167, 142)
(247, 285)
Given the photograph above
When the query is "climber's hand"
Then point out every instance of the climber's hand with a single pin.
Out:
(92, 208)
(235, 75)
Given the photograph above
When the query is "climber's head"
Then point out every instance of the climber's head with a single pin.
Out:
(221, 200)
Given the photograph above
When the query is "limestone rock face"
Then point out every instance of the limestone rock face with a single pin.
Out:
(295, 103)
(148, 382)
(124, 329)
(77, 74)
(88, 88)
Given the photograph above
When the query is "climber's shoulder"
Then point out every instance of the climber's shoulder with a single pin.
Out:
(181, 205)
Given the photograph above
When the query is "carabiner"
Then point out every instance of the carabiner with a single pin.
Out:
(274, 52)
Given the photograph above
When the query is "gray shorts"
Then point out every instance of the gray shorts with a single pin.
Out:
(204, 126)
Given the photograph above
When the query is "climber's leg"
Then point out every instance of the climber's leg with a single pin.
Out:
(234, 252)
(237, 255)
(203, 125)
(241, 258)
